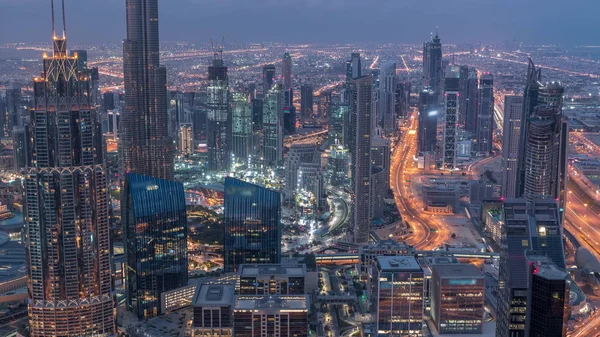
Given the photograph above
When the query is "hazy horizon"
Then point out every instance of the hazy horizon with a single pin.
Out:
(316, 21)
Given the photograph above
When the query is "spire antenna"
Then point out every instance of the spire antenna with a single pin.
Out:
(52, 7)
(436, 30)
(64, 20)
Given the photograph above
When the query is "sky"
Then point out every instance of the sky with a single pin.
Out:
(564, 22)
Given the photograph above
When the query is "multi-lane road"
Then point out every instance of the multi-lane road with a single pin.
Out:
(426, 232)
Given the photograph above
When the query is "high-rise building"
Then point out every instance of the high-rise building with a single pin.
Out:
(433, 73)
(272, 144)
(252, 227)
(156, 241)
(397, 296)
(472, 101)
(241, 136)
(513, 107)
(272, 279)
(218, 128)
(339, 165)
(462, 99)
(485, 114)
(212, 307)
(300, 153)
(380, 175)
(92, 73)
(356, 65)
(457, 298)
(257, 114)
(13, 107)
(66, 205)
(451, 105)
(268, 77)
(306, 101)
(548, 308)
(289, 119)
(186, 139)
(359, 140)
(534, 226)
(109, 100)
(337, 117)
(387, 97)
(428, 118)
(146, 147)
(286, 71)
(20, 147)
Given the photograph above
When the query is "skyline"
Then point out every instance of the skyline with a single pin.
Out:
(394, 22)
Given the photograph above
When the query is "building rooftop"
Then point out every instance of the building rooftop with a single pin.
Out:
(214, 294)
(399, 263)
(272, 269)
(275, 302)
(457, 270)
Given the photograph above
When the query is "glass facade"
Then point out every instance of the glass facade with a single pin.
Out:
(156, 247)
(251, 224)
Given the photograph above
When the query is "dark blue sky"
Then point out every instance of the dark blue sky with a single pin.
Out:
(567, 22)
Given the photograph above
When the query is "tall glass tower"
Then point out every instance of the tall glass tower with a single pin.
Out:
(146, 147)
(241, 137)
(156, 241)
(286, 71)
(252, 224)
(65, 207)
(272, 144)
(219, 120)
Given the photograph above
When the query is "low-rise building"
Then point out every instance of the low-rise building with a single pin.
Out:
(272, 279)
(213, 305)
(267, 316)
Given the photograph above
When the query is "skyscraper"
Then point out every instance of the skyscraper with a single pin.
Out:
(306, 101)
(451, 104)
(156, 241)
(241, 142)
(66, 205)
(528, 225)
(485, 114)
(218, 128)
(462, 99)
(185, 142)
(387, 97)
(145, 144)
(337, 116)
(359, 140)
(380, 175)
(428, 117)
(268, 77)
(356, 64)
(472, 101)
(20, 147)
(286, 71)
(252, 231)
(513, 108)
(433, 73)
(13, 107)
(272, 144)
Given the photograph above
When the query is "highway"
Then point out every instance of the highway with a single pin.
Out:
(427, 233)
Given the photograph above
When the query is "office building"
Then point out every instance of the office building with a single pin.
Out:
(337, 114)
(387, 98)
(397, 296)
(310, 187)
(527, 226)
(212, 306)
(109, 100)
(268, 77)
(472, 101)
(513, 107)
(65, 203)
(257, 114)
(252, 219)
(218, 127)
(485, 114)
(241, 135)
(428, 118)
(13, 107)
(433, 72)
(451, 105)
(369, 253)
(462, 98)
(272, 279)
(266, 316)
(177, 113)
(286, 71)
(380, 175)
(156, 241)
(548, 298)
(186, 139)
(20, 147)
(306, 101)
(354, 67)
(457, 298)
(145, 143)
(338, 166)
(289, 119)
(272, 144)
(359, 141)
